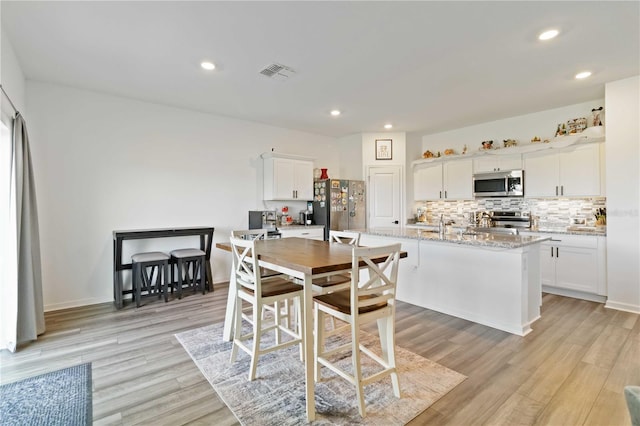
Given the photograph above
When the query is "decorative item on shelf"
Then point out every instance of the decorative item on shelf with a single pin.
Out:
(323, 174)
(597, 116)
(316, 173)
(601, 217)
(535, 139)
(487, 144)
(438, 154)
(464, 149)
(508, 143)
(562, 130)
(576, 125)
(427, 154)
(449, 151)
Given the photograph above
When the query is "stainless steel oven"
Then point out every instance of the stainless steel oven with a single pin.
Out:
(508, 183)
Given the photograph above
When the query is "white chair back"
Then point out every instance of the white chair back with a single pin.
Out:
(253, 234)
(245, 264)
(379, 287)
(344, 237)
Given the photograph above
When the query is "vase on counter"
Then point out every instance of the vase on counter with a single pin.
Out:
(316, 174)
(323, 174)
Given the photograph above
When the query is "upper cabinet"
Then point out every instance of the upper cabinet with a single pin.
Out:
(496, 163)
(448, 180)
(572, 173)
(287, 177)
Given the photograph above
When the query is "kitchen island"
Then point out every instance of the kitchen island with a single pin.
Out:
(491, 279)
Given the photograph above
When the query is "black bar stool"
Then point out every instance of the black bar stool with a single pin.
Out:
(142, 276)
(185, 258)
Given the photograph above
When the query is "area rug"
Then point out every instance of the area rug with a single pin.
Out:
(61, 397)
(276, 396)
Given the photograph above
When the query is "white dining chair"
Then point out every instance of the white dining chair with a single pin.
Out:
(251, 288)
(373, 299)
(341, 281)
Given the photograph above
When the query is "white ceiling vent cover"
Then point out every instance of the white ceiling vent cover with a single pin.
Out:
(278, 72)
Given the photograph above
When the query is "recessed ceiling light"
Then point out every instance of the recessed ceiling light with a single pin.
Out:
(583, 74)
(388, 126)
(335, 112)
(548, 35)
(208, 66)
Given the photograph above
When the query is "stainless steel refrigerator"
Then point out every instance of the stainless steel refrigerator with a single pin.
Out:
(339, 204)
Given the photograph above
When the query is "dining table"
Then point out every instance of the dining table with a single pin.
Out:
(306, 260)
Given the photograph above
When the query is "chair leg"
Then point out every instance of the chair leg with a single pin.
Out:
(357, 368)
(257, 327)
(278, 320)
(203, 275)
(318, 342)
(179, 271)
(165, 285)
(136, 283)
(388, 351)
(237, 326)
(297, 306)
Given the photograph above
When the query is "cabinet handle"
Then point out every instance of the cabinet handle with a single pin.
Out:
(445, 194)
(557, 255)
(556, 189)
(440, 194)
(551, 251)
(561, 189)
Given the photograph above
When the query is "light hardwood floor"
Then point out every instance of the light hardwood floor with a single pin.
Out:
(569, 371)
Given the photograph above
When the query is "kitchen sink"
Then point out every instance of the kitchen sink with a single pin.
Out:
(492, 230)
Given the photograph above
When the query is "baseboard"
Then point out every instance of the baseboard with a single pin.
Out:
(74, 304)
(619, 306)
(575, 294)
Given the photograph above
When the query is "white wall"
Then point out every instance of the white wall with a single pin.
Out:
(623, 194)
(11, 77)
(105, 163)
(350, 148)
(521, 128)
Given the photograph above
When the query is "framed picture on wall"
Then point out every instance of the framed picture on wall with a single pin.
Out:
(383, 149)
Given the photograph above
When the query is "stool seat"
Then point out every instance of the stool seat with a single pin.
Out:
(188, 252)
(151, 256)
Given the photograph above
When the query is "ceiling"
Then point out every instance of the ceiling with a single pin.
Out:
(423, 66)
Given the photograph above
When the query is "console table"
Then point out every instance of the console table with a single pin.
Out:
(206, 240)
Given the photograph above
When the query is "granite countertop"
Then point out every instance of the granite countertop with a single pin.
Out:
(478, 240)
(298, 226)
(567, 230)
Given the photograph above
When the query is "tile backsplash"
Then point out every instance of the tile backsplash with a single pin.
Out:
(553, 212)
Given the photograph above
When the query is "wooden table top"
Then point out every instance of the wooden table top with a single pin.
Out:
(305, 255)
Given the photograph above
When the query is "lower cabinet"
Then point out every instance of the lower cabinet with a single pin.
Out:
(574, 265)
(312, 233)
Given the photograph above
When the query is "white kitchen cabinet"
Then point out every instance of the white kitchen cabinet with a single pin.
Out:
(448, 180)
(287, 177)
(574, 266)
(495, 163)
(312, 233)
(572, 173)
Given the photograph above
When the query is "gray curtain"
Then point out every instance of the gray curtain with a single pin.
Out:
(30, 305)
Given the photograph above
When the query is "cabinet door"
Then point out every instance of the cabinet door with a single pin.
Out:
(283, 179)
(541, 175)
(303, 180)
(577, 268)
(427, 182)
(495, 163)
(580, 171)
(547, 264)
(458, 178)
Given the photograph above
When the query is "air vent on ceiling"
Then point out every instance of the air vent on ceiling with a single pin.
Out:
(278, 71)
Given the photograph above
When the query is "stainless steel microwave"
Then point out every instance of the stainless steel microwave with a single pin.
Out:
(509, 183)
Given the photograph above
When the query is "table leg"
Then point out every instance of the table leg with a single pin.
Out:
(227, 333)
(308, 348)
(117, 272)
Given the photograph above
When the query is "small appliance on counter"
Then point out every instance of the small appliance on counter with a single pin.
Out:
(264, 219)
(306, 217)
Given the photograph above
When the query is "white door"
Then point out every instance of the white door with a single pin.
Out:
(384, 197)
